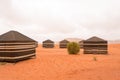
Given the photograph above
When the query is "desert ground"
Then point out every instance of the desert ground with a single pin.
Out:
(57, 64)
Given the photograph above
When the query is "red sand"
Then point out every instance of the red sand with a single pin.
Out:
(56, 64)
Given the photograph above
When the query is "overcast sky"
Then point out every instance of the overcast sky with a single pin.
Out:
(59, 19)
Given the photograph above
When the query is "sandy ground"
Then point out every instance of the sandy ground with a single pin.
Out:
(56, 64)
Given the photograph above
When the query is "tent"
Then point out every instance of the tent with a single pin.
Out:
(15, 46)
(48, 44)
(81, 43)
(63, 44)
(95, 45)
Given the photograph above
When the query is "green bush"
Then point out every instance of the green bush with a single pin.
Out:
(73, 48)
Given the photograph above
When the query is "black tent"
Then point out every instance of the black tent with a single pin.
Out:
(15, 46)
(81, 43)
(63, 44)
(48, 44)
(95, 45)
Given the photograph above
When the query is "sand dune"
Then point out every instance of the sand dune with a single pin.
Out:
(56, 64)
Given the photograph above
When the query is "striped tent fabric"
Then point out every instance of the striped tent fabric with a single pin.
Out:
(63, 43)
(81, 44)
(95, 45)
(48, 44)
(15, 46)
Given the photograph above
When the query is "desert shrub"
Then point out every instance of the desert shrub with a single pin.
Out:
(94, 58)
(73, 48)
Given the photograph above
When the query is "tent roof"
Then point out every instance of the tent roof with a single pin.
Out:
(14, 36)
(48, 41)
(94, 38)
(64, 41)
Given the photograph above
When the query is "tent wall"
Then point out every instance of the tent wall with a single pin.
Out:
(95, 47)
(63, 45)
(48, 45)
(17, 51)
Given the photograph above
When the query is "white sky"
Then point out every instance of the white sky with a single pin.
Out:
(59, 19)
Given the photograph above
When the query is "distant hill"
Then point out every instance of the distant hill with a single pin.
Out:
(74, 39)
(114, 41)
